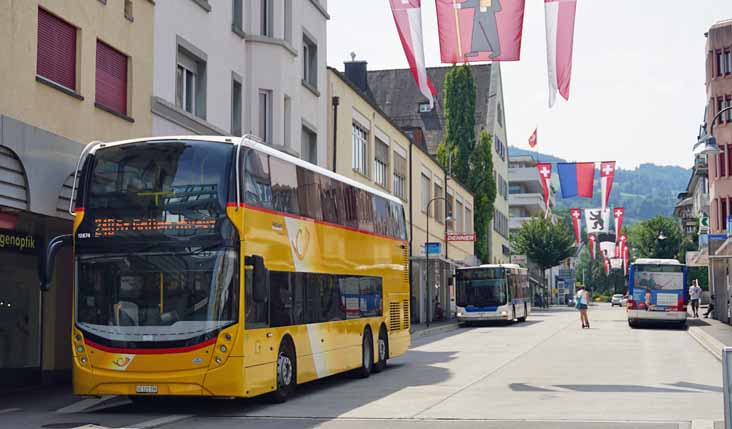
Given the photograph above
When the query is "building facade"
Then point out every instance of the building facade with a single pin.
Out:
(397, 94)
(526, 194)
(243, 67)
(719, 96)
(72, 72)
(366, 145)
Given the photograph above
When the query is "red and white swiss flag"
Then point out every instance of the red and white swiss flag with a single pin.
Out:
(576, 215)
(618, 213)
(545, 175)
(559, 15)
(533, 139)
(408, 19)
(607, 175)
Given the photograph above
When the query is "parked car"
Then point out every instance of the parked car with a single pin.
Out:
(617, 299)
(570, 302)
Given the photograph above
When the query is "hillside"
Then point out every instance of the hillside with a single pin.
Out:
(644, 192)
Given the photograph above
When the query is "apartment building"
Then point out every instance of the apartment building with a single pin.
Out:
(365, 144)
(243, 67)
(72, 72)
(397, 94)
(526, 194)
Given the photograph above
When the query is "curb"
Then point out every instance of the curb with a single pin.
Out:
(707, 341)
(435, 330)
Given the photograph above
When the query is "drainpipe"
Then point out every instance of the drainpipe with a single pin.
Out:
(336, 101)
(411, 227)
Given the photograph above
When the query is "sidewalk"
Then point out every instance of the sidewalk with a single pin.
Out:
(712, 334)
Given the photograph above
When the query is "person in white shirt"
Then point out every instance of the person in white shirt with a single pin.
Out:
(694, 296)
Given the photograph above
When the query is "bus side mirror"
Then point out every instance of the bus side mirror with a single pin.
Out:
(260, 278)
(48, 261)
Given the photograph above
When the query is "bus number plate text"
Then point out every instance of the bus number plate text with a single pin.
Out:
(146, 388)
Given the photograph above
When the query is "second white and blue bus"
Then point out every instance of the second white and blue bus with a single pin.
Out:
(657, 290)
(492, 292)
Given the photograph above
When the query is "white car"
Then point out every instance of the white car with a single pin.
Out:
(617, 299)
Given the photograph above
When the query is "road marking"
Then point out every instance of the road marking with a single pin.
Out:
(9, 410)
(702, 424)
(162, 421)
(92, 403)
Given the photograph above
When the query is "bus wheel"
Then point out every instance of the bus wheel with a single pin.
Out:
(382, 351)
(367, 355)
(286, 373)
(632, 323)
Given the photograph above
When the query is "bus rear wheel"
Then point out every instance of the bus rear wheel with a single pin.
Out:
(367, 355)
(286, 373)
(382, 350)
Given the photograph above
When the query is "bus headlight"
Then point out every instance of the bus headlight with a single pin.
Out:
(218, 359)
(83, 360)
(79, 349)
(504, 313)
(223, 348)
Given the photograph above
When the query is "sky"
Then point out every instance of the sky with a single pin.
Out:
(637, 92)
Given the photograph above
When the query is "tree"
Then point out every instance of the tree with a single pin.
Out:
(483, 185)
(459, 109)
(469, 162)
(544, 242)
(659, 237)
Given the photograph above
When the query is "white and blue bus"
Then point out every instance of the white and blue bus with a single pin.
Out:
(657, 292)
(492, 292)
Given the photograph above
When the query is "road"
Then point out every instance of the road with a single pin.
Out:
(544, 373)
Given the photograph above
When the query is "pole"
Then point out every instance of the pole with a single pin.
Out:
(427, 259)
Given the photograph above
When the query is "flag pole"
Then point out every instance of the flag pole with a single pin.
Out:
(457, 28)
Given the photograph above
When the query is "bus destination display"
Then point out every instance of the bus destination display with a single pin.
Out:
(110, 227)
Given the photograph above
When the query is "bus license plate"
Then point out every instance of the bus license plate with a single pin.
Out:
(151, 388)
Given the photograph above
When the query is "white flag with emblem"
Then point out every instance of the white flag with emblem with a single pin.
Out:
(597, 220)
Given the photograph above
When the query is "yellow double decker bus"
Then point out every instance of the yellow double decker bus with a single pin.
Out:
(219, 266)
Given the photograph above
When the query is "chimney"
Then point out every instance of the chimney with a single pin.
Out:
(356, 73)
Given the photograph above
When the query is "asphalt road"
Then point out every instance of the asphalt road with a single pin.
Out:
(544, 373)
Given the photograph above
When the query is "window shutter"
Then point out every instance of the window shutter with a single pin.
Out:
(111, 81)
(56, 50)
(382, 152)
(400, 166)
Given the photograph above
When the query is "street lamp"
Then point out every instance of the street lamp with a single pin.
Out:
(448, 218)
(661, 236)
(707, 143)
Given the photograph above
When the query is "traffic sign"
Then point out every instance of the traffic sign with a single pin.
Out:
(433, 248)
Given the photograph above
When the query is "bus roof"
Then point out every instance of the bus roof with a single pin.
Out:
(513, 266)
(249, 142)
(652, 261)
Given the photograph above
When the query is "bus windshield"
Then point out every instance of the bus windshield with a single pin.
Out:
(481, 288)
(659, 277)
(160, 297)
(168, 190)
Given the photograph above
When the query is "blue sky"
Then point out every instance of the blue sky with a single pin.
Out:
(637, 91)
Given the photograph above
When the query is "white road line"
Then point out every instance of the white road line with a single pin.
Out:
(9, 410)
(162, 421)
(89, 403)
(702, 424)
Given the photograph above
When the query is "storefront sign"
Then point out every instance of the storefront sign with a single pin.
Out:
(459, 237)
(519, 260)
(18, 242)
(433, 248)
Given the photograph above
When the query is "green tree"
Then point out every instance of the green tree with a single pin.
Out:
(658, 237)
(544, 242)
(458, 140)
(483, 185)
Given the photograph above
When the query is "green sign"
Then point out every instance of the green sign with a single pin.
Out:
(18, 242)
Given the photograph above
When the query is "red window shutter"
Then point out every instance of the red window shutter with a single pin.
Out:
(111, 81)
(56, 51)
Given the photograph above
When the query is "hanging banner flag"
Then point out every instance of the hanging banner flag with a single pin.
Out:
(545, 175)
(607, 174)
(608, 249)
(597, 220)
(626, 257)
(408, 18)
(533, 139)
(623, 243)
(480, 30)
(576, 178)
(616, 263)
(606, 263)
(592, 239)
(618, 213)
(559, 17)
(576, 215)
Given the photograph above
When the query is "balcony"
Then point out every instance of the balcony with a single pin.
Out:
(523, 175)
(515, 223)
(532, 203)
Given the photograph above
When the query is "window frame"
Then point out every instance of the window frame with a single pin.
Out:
(439, 212)
(125, 93)
(381, 169)
(718, 55)
(48, 78)
(309, 61)
(312, 145)
(425, 193)
(266, 18)
(360, 149)
(266, 115)
(399, 178)
(192, 60)
(236, 119)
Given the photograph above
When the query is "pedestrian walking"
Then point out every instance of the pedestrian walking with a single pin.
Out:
(694, 296)
(582, 300)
